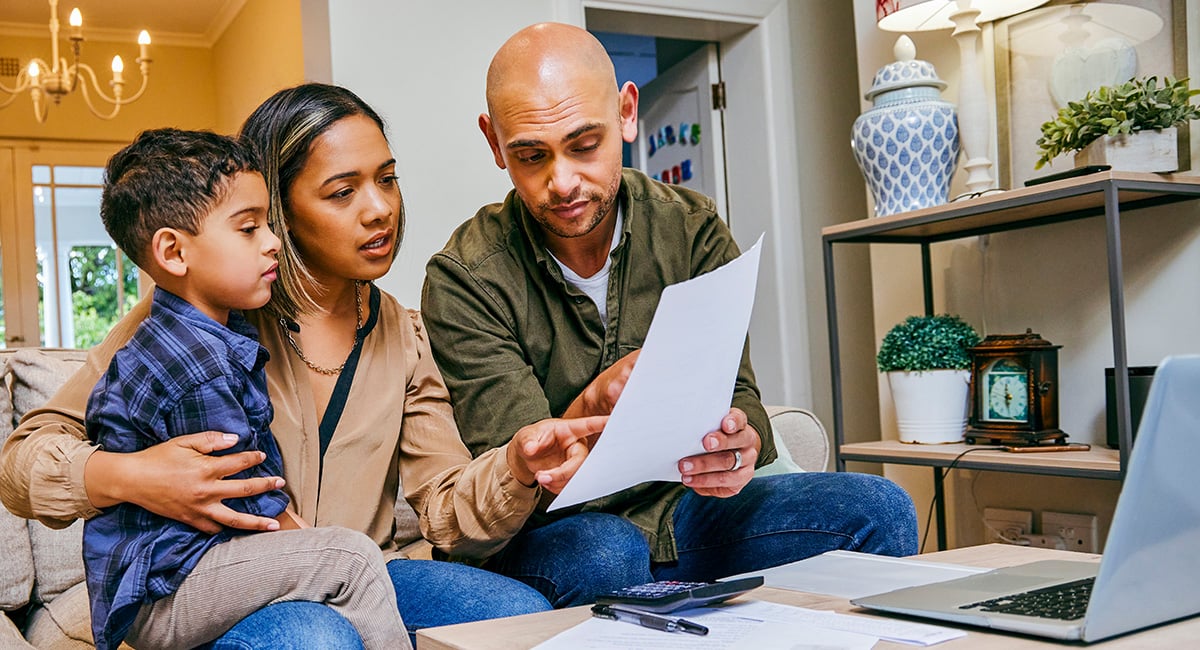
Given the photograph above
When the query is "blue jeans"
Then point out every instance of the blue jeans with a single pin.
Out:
(774, 520)
(428, 594)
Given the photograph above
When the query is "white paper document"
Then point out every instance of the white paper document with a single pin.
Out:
(681, 386)
(725, 630)
(869, 626)
(853, 575)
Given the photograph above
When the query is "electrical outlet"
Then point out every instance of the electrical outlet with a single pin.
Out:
(1002, 525)
(1044, 541)
(1077, 531)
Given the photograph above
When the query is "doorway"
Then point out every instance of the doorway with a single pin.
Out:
(760, 164)
(680, 128)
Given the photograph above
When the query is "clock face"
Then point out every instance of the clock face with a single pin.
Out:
(1005, 393)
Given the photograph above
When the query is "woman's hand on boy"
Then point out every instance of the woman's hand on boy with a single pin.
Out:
(181, 480)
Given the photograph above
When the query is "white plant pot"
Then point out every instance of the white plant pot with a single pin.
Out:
(931, 406)
(1144, 151)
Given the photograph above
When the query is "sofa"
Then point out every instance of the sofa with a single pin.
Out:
(42, 594)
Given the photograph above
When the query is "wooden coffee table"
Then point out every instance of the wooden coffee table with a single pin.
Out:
(521, 632)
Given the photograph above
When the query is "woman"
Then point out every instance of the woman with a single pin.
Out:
(358, 399)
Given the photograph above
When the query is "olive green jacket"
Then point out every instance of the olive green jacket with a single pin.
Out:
(517, 344)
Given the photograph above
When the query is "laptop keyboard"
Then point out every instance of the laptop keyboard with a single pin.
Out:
(1067, 601)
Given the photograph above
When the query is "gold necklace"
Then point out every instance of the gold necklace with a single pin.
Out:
(287, 332)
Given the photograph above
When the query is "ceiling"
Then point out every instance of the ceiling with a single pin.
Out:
(173, 22)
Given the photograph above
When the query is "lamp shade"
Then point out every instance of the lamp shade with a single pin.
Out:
(1052, 29)
(930, 15)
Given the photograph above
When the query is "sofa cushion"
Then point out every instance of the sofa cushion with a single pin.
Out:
(57, 559)
(801, 441)
(63, 624)
(57, 554)
(38, 374)
(10, 636)
(16, 562)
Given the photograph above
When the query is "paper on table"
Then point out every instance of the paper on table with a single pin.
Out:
(853, 575)
(725, 631)
(884, 628)
(681, 386)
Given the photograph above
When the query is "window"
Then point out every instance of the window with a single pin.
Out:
(84, 284)
(64, 281)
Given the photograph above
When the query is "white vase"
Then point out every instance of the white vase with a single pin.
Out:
(906, 144)
(1143, 151)
(931, 406)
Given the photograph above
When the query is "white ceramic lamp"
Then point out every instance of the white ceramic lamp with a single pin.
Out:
(964, 17)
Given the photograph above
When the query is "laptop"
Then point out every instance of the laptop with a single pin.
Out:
(1151, 564)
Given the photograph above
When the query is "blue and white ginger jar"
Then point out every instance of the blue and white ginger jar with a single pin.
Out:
(907, 144)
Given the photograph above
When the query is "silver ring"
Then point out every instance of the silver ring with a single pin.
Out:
(737, 461)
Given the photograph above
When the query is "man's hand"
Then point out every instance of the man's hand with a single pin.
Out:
(601, 395)
(549, 452)
(180, 480)
(728, 465)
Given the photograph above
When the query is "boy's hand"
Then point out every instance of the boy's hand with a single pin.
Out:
(179, 479)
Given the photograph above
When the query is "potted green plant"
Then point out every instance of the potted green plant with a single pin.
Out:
(1130, 126)
(928, 370)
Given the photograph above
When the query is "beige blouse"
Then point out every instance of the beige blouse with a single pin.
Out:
(397, 423)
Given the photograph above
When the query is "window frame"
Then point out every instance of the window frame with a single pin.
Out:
(18, 230)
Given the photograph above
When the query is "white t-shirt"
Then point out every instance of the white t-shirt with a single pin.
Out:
(596, 287)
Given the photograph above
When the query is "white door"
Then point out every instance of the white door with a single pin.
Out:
(680, 135)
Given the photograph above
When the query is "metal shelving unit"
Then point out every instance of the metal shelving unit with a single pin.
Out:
(1104, 194)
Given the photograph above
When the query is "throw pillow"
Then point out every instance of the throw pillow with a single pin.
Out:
(38, 374)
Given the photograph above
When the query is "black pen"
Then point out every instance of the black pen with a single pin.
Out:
(648, 619)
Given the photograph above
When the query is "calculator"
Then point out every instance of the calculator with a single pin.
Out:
(671, 595)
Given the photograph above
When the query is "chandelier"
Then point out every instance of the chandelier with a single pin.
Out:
(57, 79)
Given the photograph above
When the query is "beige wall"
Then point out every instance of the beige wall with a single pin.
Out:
(215, 88)
(181, 93)
(260, 52)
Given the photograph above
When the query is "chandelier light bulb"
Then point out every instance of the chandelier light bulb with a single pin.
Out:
(143, 45)
(76, 21)
(60, 76)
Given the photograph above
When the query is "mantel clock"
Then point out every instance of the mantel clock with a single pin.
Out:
(1014, 391)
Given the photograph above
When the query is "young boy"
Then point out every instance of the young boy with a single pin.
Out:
(190, 209)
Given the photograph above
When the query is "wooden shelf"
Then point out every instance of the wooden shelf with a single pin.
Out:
(1094, 463)
(1065, 200)
(1105, 195)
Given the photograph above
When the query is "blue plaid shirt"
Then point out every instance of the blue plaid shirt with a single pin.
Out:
(181, 373)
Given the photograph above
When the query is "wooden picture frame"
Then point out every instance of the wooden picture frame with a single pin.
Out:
(1036, 69)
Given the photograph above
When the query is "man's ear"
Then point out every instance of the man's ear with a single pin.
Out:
(629, 112)
(485, 125)
(168, 250)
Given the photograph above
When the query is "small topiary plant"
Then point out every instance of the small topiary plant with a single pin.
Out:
(922, 343)
(1136, 105)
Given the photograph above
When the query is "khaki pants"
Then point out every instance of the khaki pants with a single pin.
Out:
(339, 567)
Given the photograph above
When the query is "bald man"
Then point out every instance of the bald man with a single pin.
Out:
(536, 307)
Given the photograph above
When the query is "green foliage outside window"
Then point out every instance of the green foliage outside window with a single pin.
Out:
(94, 297)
